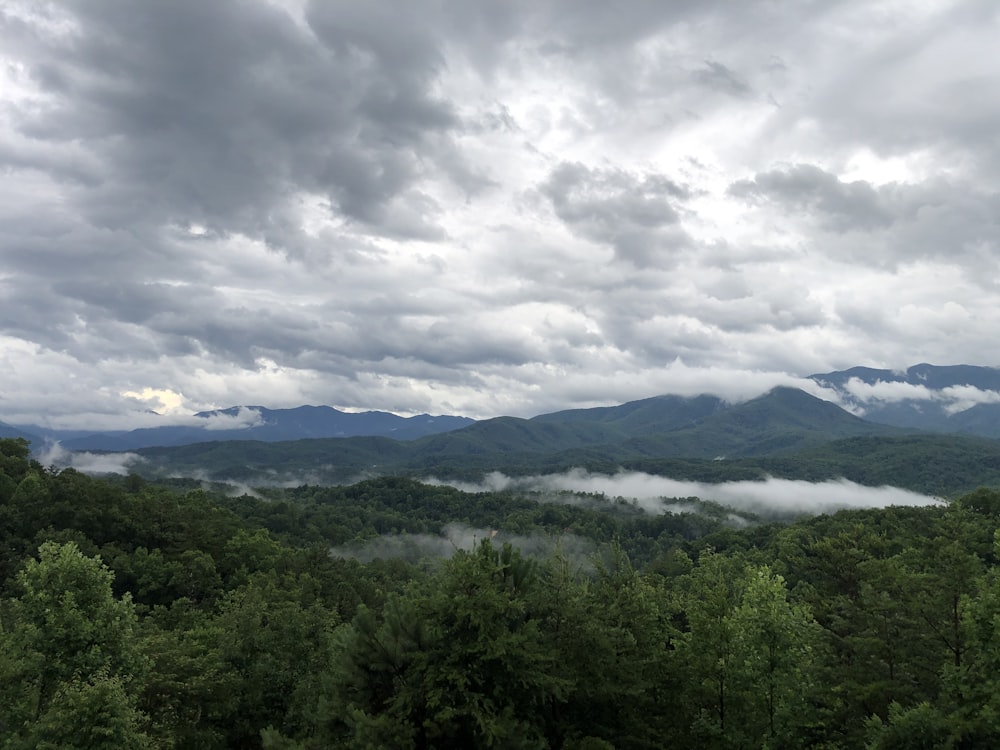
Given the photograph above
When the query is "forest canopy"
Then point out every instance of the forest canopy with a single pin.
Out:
(137, 614)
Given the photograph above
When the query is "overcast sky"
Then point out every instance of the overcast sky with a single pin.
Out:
(487, 208)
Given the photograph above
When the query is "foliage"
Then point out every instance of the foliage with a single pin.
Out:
(135, 614)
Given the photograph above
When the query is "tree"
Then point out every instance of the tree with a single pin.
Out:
(461, 662)
(272, 650)
(775, 640)
(614, 644)
(747, 654)
(922, 727)
(72, 664)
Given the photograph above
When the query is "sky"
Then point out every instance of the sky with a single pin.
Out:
(485, 208)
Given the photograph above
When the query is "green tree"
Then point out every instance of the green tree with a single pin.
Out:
(189, 691)
(776, 641)
(273, 649)
(73, 666)
(614, 645)
(921, 727)
(971, 688)
(747, 654)
(462, 662)
(94, 713)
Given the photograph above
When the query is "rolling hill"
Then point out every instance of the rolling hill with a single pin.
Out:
(258, 423)
(778, 423)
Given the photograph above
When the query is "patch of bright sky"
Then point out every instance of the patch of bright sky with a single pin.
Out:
(867, 166)
(162, 400)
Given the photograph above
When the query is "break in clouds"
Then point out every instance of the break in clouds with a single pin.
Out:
(486, 208)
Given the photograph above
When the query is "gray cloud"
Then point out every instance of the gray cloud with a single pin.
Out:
(219, 113)
(717, 76)
(485, 207)
(633, 215)
(807, 188)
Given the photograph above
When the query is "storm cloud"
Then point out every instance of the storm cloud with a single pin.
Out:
(485, 208)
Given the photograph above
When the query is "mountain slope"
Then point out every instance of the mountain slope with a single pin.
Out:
(268, 425)
(953, 398)
(9, 431)
(643, 417)
(783, 420)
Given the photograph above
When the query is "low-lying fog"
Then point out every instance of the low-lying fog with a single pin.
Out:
(655, 494)
(768, 497)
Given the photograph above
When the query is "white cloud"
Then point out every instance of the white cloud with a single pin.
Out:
(954, 399)
(961, 397)
(88, 463)
(243, 419)
(888, 391)
(458, 536)
(770, 496)
(517, 207)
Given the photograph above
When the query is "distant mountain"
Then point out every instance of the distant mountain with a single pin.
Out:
(890, 434)
(777, 423)
(782, 420)
(934, 377)
(263, 424)
(954, 398)
(643, 417)
(9, 431)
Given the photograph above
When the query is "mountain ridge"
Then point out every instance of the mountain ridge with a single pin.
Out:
(255, 423)
(961, 399)
(781, 421)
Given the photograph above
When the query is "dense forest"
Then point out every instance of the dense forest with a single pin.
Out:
(140, 614)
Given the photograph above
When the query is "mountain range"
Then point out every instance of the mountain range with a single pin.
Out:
(246, 423)
(784, 433)
(956, 398)
(929, 428)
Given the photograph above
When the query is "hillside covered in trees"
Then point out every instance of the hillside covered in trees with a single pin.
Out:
(135, 614)
(785, 433)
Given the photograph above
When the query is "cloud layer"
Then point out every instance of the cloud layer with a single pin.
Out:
(654, 493)
(486, 208)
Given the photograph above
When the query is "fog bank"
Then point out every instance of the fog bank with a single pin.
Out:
(770, 496)
(89, 463)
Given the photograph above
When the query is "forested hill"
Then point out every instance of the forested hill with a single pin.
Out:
(251, 423)
(962, 399)
(785, 433)
(136, 615)
(943, 398)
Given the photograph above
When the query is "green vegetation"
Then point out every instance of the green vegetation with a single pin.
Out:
(136, 614)
(943, 465)
(785, 433)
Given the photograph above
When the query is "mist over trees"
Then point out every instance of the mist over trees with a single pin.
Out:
(138, 615)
